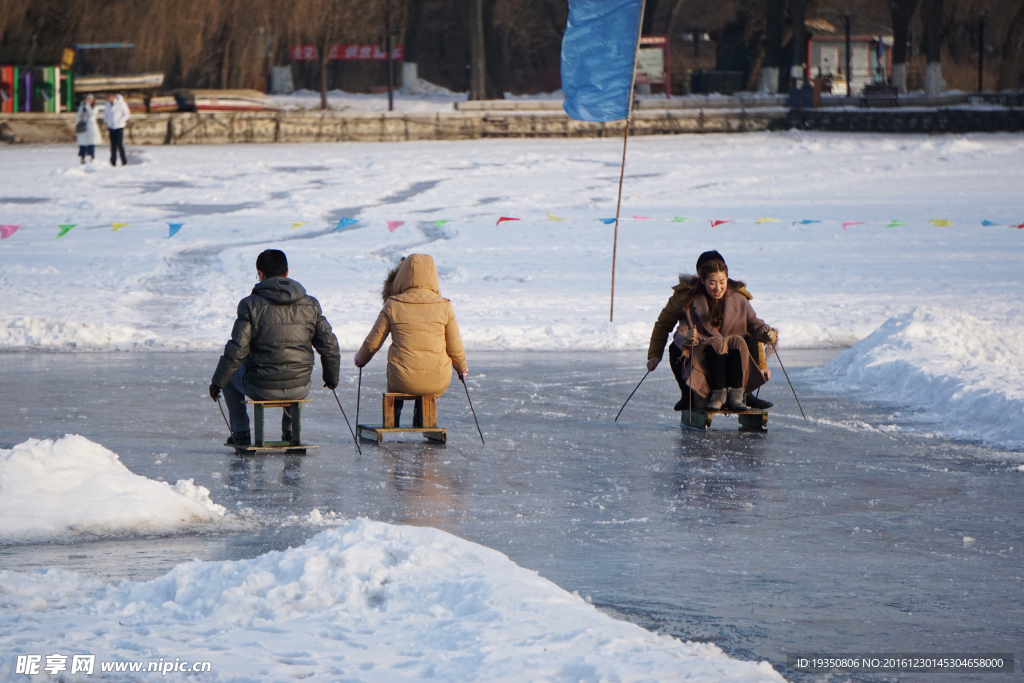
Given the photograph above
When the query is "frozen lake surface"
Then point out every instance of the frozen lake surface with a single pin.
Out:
(831, 535)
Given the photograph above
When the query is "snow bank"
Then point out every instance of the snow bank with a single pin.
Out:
(367, 602)
(40, 333)
(959, 371)
(56, 490)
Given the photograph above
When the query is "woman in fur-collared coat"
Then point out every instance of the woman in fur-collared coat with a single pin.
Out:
(715, 351)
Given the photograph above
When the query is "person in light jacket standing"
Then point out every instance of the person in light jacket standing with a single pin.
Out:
(116, 117)
(87, 129)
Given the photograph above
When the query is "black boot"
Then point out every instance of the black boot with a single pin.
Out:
(756, 403)
(239, 439)
(286, 436)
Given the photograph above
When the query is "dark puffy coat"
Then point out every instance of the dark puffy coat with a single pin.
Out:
(278, 327)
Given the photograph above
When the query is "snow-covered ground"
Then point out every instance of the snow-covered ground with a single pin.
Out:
(73, 488)
(367, 602)
(825, 269)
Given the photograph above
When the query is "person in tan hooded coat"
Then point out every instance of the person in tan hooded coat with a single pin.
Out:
(425, 340)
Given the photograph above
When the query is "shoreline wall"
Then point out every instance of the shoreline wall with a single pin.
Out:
(211, 128)
(336, 126)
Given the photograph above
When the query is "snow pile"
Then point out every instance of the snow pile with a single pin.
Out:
(367, 602)
(965, 373)
(56, 490)
(39, 333)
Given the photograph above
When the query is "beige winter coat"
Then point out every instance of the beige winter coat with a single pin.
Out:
(425, 341)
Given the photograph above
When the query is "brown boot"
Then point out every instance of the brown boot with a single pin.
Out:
(735, 400)
(716, 399)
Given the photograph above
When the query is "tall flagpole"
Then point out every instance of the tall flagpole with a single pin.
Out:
(622, 170)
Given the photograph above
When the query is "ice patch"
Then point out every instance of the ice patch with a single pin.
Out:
(963, 375)
(72, 487)
(367, 602)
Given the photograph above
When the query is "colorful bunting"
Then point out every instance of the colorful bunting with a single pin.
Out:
(64, 229)
(344, 223)
(298, 225)
(607, 221)
(847, 224)
(8, 230)
(941, 222)
(715, 224)
(554, 218)
(118, 226)
(759, 221)
(988, 224)
(641, 218)
(395, 225)
(806, 221)
(174, 228)
(505, 218)
(441, 222)
(895, 224)
(680, 219)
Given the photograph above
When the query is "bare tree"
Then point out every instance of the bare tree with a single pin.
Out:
(931, 16)
(902, 11)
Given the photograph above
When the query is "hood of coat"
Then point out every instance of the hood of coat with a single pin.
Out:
(688, 282)
(416, 272)
(280, 290)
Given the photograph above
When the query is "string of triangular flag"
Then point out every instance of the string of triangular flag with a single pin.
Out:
(7, 231)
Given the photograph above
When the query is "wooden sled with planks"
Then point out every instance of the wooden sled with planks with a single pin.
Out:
(750, 420)
(424, 420)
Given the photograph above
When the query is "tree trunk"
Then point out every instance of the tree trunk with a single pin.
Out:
(931, 17)
(799, 39)
(225, 66)
(324, 60)
(774, 14)
(493, 55)
(477, 52)
(412, 31)
(902, 11)
(1010, 74)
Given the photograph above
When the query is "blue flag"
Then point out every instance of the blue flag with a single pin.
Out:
(598, 58)
(174, 228)
(344, 223)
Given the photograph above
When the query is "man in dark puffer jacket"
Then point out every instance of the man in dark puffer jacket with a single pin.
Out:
(270, 353)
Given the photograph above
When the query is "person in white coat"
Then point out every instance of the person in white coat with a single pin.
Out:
(87, 128)
(116, 117)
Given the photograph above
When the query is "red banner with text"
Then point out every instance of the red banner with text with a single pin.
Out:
(302, 53)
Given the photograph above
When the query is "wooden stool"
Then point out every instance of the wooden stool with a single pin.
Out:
(260, 444)
(426, 410)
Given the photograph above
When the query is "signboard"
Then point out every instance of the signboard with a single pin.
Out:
(303, 53)
(653, 63)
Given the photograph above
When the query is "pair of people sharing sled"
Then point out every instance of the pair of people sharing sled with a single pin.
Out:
(717, 350)
(270, 353)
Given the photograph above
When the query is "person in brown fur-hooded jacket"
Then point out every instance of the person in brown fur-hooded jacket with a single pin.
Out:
(425, 339)
(717, 350)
